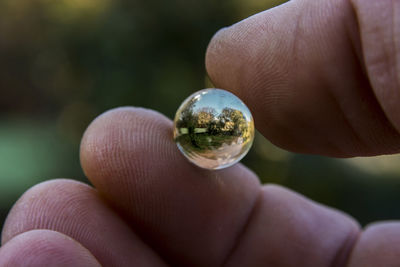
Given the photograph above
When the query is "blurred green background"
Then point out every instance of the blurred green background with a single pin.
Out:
(64, 62)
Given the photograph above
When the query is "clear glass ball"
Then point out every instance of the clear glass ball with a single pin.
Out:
(213, 128)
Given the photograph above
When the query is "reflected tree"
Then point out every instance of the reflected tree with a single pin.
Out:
(232, 122)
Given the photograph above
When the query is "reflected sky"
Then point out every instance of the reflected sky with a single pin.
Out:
(218, 100)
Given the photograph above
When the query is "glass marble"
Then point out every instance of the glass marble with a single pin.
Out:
(213, 129)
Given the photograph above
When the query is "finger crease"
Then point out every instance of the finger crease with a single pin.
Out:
(243, 229)
(343, 255)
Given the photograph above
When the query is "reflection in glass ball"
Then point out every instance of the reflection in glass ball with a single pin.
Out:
(213, 128)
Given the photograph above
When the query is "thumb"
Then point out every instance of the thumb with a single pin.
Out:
(320, 76)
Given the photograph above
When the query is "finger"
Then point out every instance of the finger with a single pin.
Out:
(287, 230)
(301, 69)
(379, 245)
(195, 217)
(76, 210)
(39, 248)
(189, 215)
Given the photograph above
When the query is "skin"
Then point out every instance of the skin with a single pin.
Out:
(321, 77)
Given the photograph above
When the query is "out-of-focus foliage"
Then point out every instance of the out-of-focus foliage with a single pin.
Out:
(64, 62)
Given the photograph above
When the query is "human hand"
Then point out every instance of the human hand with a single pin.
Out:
(312, 89)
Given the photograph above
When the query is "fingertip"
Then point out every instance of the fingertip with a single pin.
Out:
(218, 58)
(39, 248)
(239, 56)
(121, 131)
(107, 125)
(25, 206)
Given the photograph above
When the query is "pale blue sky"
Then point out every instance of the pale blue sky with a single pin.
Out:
(219, 99)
